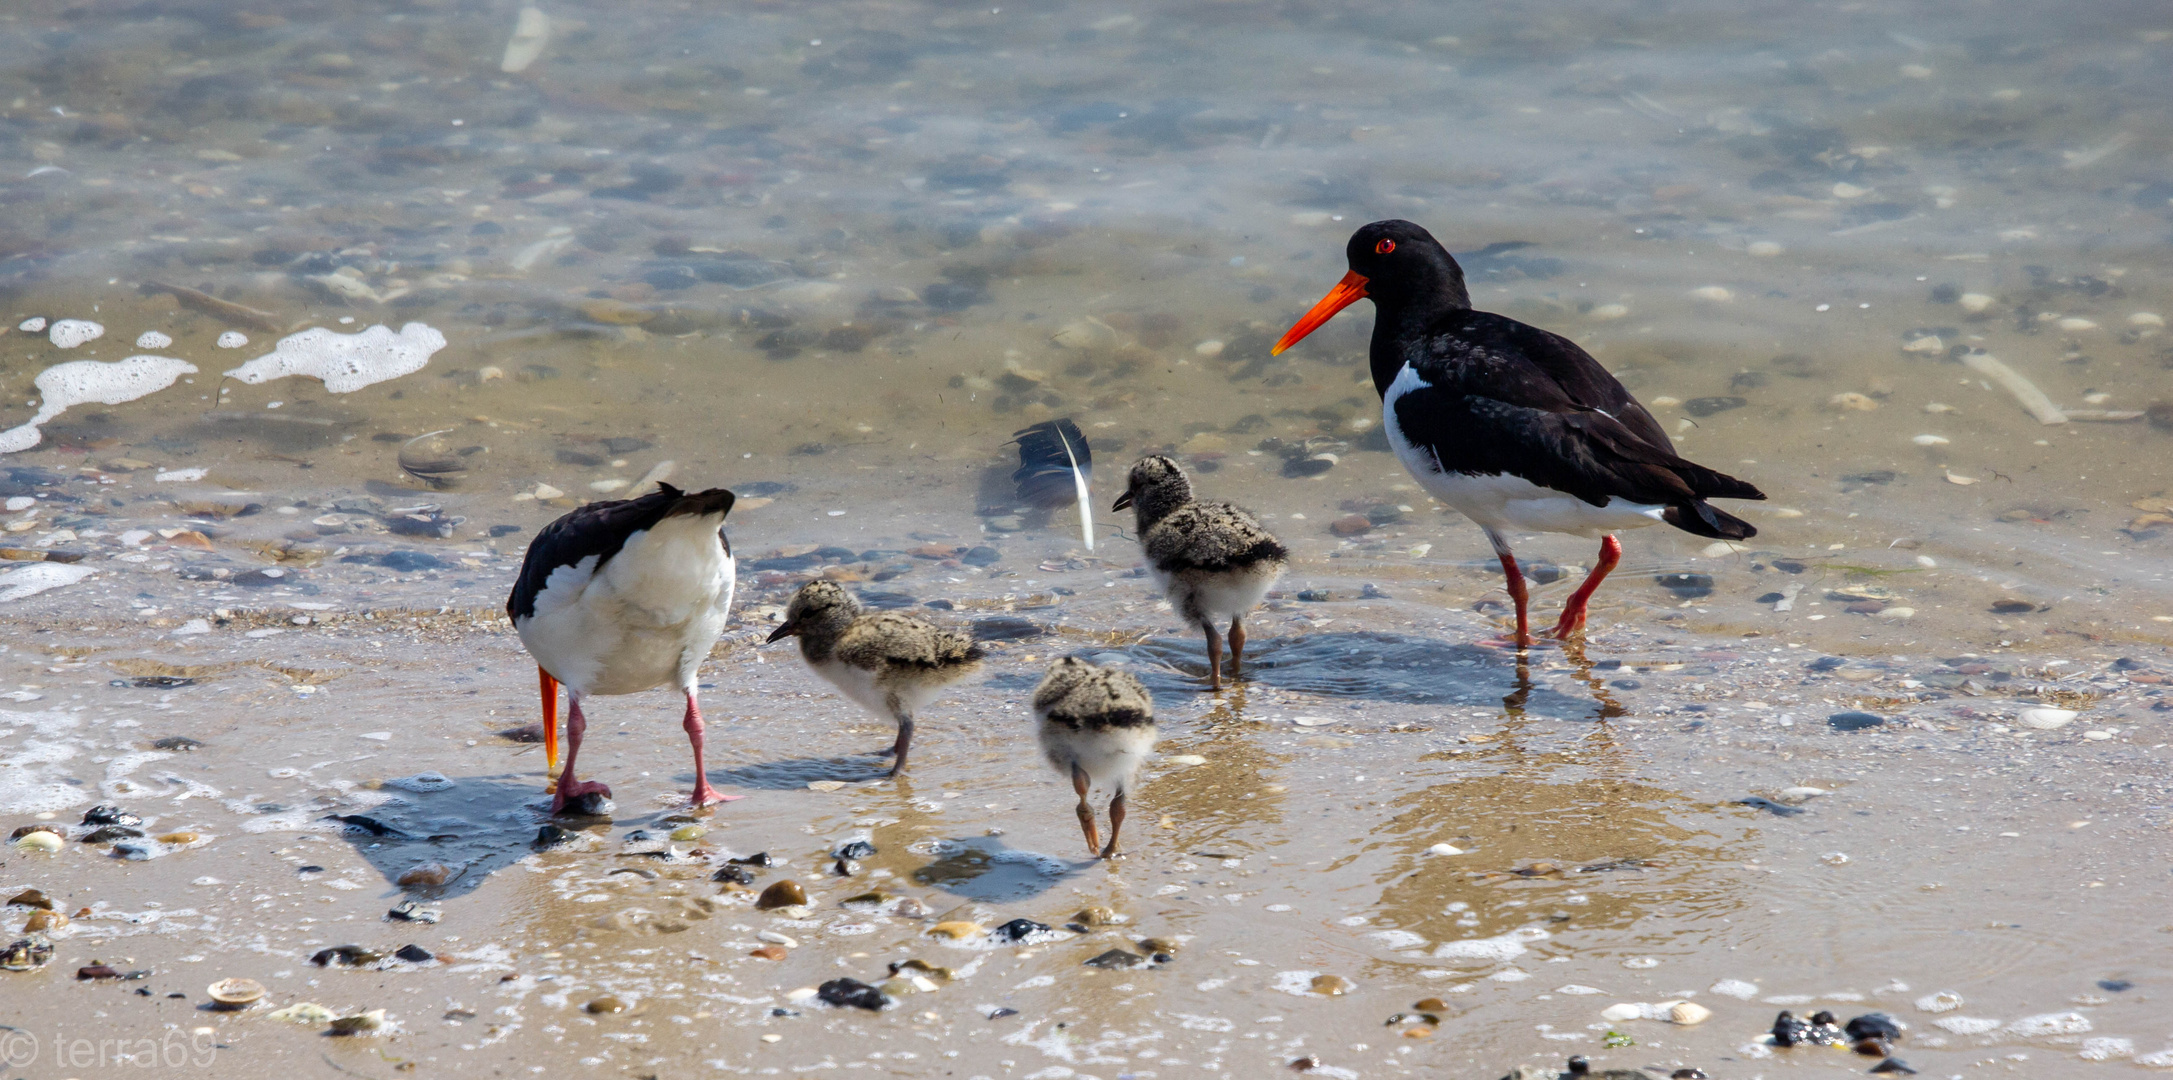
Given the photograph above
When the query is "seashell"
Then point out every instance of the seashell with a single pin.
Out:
(768, 952)
(41, 921)
(689, 832)
(2045, 719)
(1621, 1011)
(922, 967)
(1689, 1012)
(236, 993)
(432, 459)
(40, 840)
(360, 1023)
(34, 898)
(786, 893)
(305, 1012)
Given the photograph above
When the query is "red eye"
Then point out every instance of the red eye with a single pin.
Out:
(1384, 247)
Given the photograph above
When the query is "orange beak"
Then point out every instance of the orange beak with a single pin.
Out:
(1348, 291)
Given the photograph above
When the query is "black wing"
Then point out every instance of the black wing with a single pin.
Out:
(601, 529)
(1499, 357)
(1047, 452)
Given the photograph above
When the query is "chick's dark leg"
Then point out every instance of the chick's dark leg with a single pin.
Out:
(904, 744)
(1116, 825)
(1086, 813)
(1237, 644)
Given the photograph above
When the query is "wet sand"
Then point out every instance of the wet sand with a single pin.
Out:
(836, 277)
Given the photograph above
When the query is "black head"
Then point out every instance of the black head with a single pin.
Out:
(1397, 265)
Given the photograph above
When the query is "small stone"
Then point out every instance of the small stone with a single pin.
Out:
(1851, 401)
(857, 849)
(1430, 1005)
(909, 967)
(759, 858)
(96, 971)
(410, 911)
(107, 814)
(1444, 849)
(42, 921)
(1351, 525)
(851, 993)
(428, 875)
(604, 1006)
(982, 555)
(786, 893)
(1894, 1066)
(27, 953)
(733, 874)
(955, 930)
(1331, 985)
(179, 839)
(1096, 916)
(768, 952)
(1855, 721)
(414, 954)
(31, 898)
(1621, 1011)
(1160, 948)
(1019, 930)
(41, 841)
(689, 832)
(360, 1023)
(345, 956)
(1874, 1026)
(1116, 958)
(109, 833)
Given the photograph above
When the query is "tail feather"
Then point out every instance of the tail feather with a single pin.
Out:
(1699, 518)
(1712, 484)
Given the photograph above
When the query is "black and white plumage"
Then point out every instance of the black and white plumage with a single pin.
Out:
(618, 597)
(891, 663)
(1095, 726)
(1212, 559)
(1514, 426)
(1055, 467)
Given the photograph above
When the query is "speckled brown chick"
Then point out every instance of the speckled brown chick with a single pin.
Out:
(892, 664)
(1212, 559)
(1096, 726)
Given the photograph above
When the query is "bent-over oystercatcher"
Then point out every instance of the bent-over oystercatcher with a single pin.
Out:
(618, 597)
(1096, 726)
(1516, 427)
(1212, 559)
(891, 664)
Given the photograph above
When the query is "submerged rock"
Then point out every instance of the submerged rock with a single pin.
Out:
(851, 993)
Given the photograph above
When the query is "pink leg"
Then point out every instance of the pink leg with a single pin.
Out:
(1514, 578)
(1573, 612)
(568, 788)
(703, 793)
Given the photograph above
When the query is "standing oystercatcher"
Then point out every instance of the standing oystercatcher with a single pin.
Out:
(617, 597)
(1518, 428)
(1212, 559)
(890, 663)
(1096, 726)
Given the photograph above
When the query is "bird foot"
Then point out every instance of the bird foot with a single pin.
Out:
(1508, 641)
(704, 795)
(1111, 853)
(567, 793)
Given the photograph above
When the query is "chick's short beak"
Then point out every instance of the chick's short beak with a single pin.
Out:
(784, 631)
(1123, 501)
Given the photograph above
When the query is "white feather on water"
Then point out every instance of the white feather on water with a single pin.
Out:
(2010, 380)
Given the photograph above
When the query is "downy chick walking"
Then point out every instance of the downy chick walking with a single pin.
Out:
(1212, 559)
(892, 664)
(1096, 726)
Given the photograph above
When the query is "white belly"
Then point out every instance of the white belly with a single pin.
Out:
(1503, 502)
(1218, 597)
(1110, 757)
(648, 619)
(872, 693)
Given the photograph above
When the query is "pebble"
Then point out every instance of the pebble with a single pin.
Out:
(27, 953)
(768, 952)
(1851, 401)
(1351, 525)
(786, 893)
(604, 1006)
(1096, 916)
(1444, 849)
(857, 849)
(1715, 294)
(1117, 959)
(306, 1013)
(851, 993)
(414, 954)
(1974, 302)
(1332, 985)
(345, 956)
(1018, 930)
(410, 911)
(428, 875)
(42, 921)
(2146, 318)
(1930, 440)
(360, 1023)
(956, 929)
(1210, 348)
(1894, 1066)
(775, 938)
(1855, 721)
(108, 814)
(733, 874)
(33, 898)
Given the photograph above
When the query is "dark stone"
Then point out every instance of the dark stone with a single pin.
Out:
(551, 837)
(591, 804)
(1000, 1013)
(2115, 985)
(1875, 1026)
(160, 682)
(1776, 809)
(1315, 596)
(857, 849)
(736, 875)
(262, 579)
(1855, 721)
(1018, 930)
(1874, 477)
(110, 833)
(108, 814)
(414, 954)
(981, 555)
(1894, 1065)
(1749, 380)
(850, 993)
(410, 911)
(1007, 628)
(2011, 606)
(1117, 958)
(1708, 406)
(365, 823)
(940, 605)
(1545, 573)
(759, 858)
(1298, 468)
(411, 561)
(1686, 584)
(1788, 1031)
(1626, 684)
(1946, 293)
(345, 956)
(1791, 566)
(1687, 1074)
(1825, 663)
(1771, 598)
(503, 530)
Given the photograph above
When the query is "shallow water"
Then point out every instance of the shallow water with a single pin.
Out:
(834, 257)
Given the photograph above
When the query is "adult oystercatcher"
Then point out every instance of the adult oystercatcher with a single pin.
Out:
(1212, 559)
(1096, 726)
(617, 597)
(890, 663)
(1516, 427)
